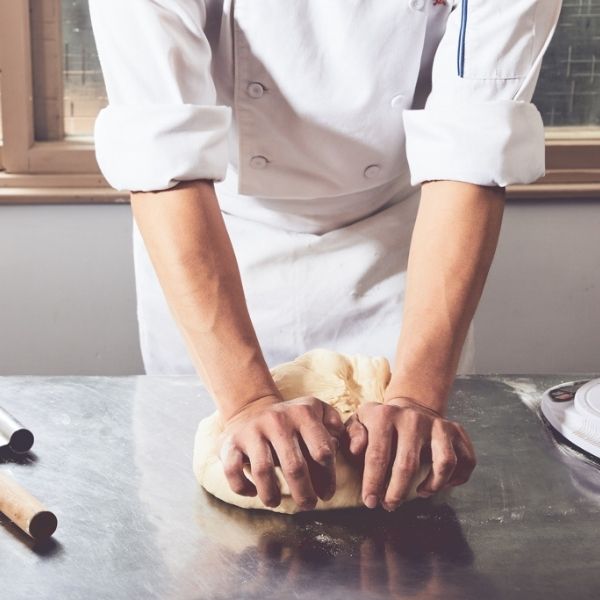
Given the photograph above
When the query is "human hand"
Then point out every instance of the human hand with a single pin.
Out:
(396, 438)
(300, 435)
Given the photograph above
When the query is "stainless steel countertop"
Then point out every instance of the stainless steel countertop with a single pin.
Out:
(112, 458)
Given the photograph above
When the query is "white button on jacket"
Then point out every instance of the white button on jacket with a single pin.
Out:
(317, 120)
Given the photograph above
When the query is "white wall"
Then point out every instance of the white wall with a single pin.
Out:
(67, 294)
(540, 311)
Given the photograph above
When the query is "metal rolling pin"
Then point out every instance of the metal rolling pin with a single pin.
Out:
(13, 434)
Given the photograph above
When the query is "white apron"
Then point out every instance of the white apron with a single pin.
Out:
(342, 289)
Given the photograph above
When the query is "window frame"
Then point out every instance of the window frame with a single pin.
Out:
(34, 171)
(66, 171)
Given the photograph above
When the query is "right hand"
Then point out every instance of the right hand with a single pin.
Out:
(300, 435)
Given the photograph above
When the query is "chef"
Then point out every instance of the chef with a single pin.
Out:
(319, 173)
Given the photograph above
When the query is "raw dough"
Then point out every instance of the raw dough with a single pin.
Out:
(341, 380)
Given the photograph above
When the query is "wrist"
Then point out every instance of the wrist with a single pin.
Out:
(252, 404)
(408, 402)
(424, 392)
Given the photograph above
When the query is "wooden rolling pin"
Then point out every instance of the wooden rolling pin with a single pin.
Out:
(24, 510)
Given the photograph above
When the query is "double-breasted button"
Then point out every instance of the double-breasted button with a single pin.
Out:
(258, 162)
(255, 89)
(417, 4)
(372, 171)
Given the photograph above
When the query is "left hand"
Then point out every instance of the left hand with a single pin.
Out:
(396, 438)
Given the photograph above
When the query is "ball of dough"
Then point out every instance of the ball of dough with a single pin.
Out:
(341, 380)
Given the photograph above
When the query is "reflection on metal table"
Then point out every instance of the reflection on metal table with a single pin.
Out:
(113, 459)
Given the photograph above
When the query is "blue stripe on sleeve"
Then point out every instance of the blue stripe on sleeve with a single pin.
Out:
(460, 58)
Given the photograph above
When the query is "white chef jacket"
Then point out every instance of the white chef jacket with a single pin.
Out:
(318, 120)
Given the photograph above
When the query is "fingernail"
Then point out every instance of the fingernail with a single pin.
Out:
(424, 494)
(390, 507)
(371, 501)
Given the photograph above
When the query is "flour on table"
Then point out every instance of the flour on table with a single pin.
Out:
(343, 381)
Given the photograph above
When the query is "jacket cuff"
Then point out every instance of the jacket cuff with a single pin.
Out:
(152, 147)
(497, 143)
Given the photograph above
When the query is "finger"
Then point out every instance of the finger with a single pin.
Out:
(262, 469)
(444, 461)
(295, 470)
(233, 465)
(322, 478)
(357, 435)
(319, 442)
(377, 460)
(332, 420)
(320, 455)
(404, 470)
(466, 463)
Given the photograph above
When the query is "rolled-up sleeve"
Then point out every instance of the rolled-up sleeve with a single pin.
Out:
(478, 124)
(162, 123)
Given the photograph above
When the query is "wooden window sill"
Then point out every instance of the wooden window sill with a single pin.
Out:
(93, 189)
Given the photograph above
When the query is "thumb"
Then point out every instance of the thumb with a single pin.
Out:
(357, 435)
(333, 421)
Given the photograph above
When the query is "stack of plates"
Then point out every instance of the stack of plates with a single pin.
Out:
(573, 409)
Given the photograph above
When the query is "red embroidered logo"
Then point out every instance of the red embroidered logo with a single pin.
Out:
(441, 2)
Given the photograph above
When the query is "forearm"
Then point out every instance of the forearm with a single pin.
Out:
(452, 247)
(188, 244)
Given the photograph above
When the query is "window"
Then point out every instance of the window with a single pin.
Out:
(568, 90)
(52, 88)
(47, 151)
(84, 92)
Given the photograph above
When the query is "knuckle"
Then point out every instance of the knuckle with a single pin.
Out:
(448, 459)
(231, 469)
(333, 416)
(355, 423)
(386, 410)
(276, 418)
(386, 413)
(411, 458)
(377, 457)
(413, 417)
(405, 470)
(237, 486)
(323, 453)
(261, 469)
(251, 431)
(408, 465)
(294, 468)
(354, 426)
(233, 441)
(447, 465)
(304, 411)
